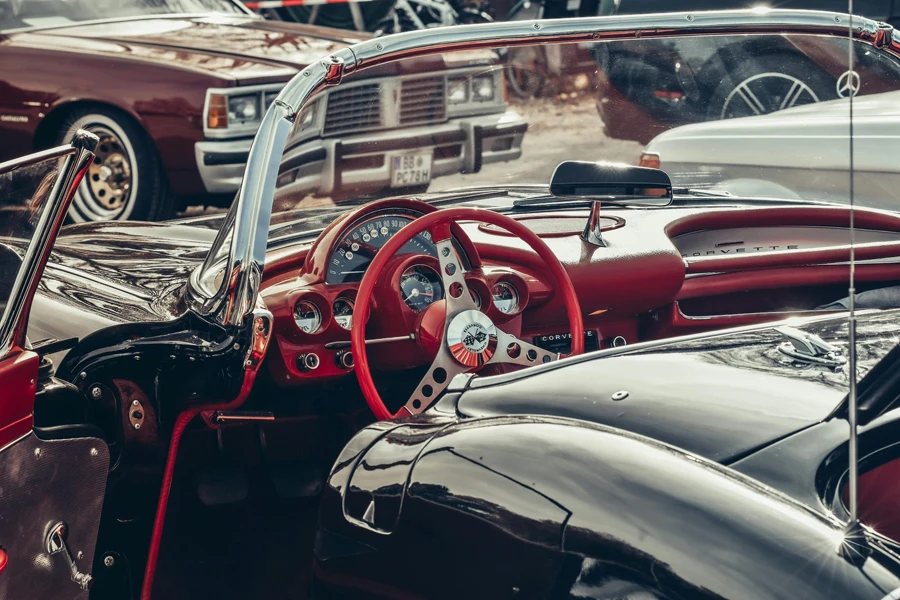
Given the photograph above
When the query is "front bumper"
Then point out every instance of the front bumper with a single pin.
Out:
(353, 164)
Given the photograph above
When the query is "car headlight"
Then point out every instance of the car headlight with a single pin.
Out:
(307, 117)
(238, 111)
(458, 90)
(243, 109)
(483, 88)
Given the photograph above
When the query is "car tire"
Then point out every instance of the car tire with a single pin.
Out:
(770, 83)
(524, 71)
(126, 180)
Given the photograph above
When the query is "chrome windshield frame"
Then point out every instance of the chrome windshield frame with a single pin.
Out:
(76, 157)
(249, 216)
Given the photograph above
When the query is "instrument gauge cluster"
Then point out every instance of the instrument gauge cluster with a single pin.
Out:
(420, 286)
(351, 256)
(343, 312)
(505, 297)
(307, 316)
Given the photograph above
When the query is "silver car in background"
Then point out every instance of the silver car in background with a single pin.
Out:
(798, 152)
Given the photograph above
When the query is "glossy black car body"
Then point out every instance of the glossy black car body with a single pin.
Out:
(585, 475)
(591, 473)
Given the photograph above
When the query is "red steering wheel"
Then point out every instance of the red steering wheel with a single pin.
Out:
(470, 340)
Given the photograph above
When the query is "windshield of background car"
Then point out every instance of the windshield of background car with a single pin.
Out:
(25, 192)
(750, 115)
(17, 14)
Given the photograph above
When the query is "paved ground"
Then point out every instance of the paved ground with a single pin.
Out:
(565, 127)
(558, 130)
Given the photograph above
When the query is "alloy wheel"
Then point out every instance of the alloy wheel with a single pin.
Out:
(765, 93)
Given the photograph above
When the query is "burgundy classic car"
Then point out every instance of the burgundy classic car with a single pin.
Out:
(176, 91)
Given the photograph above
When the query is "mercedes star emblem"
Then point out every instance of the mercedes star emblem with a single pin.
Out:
(848, 84)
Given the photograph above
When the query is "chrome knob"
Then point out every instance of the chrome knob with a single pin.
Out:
(308, 362)
(344, 359)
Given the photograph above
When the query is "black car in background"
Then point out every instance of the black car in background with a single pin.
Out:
(671, 83)
(881, 10)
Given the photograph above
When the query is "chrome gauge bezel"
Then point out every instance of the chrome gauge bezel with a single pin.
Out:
(476, 298)
(338, 318)
(513, 292)
(316, 319)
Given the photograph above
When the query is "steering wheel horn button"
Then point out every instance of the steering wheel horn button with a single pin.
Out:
(472, 338)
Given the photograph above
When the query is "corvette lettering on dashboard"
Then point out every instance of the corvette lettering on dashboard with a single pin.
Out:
(740, 250)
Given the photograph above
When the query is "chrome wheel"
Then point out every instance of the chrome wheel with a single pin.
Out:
(765, 93)
(109, 178)
(109, 189)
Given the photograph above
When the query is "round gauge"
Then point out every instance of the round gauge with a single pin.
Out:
(420, 286)
(356, 249)
(307, 316)
(475, 298)
(343, 312)
(506, 298)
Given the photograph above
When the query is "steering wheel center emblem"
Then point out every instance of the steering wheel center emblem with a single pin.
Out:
(475, 337)
(848, 84)
(472, 338)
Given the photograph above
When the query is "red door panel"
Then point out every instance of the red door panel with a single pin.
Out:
(18, 375)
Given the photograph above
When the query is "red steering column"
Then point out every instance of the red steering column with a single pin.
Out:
(470, 338)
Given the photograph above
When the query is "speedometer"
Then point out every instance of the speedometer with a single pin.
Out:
(352, 255)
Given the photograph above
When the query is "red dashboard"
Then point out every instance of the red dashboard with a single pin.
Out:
(662, 273)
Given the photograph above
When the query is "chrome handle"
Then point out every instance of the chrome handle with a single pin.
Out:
(55, 543)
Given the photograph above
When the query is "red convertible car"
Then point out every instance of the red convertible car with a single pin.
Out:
(176, 91)
(568, 381)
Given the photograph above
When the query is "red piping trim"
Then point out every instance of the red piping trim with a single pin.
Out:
(180, 425)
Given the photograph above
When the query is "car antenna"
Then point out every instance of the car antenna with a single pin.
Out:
(854, 545)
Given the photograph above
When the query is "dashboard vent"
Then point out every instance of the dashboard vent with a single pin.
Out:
(422, 101)
(354, 109)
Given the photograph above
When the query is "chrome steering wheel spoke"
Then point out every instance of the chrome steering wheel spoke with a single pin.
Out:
(440, 373)
(511, 349)
(456, 292)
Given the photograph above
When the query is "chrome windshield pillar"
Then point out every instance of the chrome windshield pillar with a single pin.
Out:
(241, 242)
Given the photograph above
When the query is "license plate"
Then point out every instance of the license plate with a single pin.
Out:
(410, 169)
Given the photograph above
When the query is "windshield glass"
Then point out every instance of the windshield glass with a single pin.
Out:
(17, 14)
(753, 116)
(27, 187)
(740, 119)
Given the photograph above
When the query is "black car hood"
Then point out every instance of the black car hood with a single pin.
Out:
(112, 273)
(105, 274)
(722, 395)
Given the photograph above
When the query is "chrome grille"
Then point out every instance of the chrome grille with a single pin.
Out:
(422, 101)
(353, 109)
